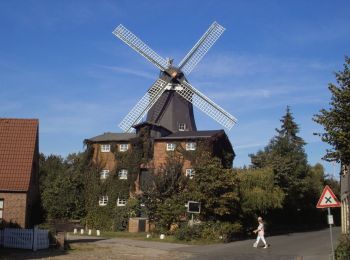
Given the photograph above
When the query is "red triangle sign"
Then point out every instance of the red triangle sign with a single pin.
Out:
(327, 199)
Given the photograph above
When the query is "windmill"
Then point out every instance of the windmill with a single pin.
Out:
(169, 101)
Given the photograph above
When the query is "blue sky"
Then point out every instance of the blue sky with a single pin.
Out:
(60, 62)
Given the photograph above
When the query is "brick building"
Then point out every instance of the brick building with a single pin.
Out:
(163, 142)
(345, 198)
(19, 165)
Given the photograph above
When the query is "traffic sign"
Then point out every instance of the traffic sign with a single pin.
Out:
(327, 199)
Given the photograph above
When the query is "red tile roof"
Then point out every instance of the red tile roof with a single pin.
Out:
(17, 148)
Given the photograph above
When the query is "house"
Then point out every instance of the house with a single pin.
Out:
(345, 198)
(19, 166)
(158, 142)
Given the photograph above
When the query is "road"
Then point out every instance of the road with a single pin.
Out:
(297, 246)
(307, 246)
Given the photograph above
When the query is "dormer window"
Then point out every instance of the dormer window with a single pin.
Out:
(182, 127)
(123, 174)
(123, 147)
(105, 148)
(191, 146)
(103, 200)
(170, 146)
(104, 174)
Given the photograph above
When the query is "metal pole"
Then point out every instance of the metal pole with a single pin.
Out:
(330, 230)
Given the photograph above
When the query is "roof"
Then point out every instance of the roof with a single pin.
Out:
(192, 134)
(112, 137)
(18, 140)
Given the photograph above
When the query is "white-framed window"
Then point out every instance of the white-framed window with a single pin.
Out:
(190, 173)
(123, 174)
(104, 174)
(105, 148)
(121, 202)
(170, 146)
(1, 209)
(123, 147)
(182, 127)
(103, 200)
(191, 146)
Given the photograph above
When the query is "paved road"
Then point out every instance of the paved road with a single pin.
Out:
(297, 246)
(306, 246)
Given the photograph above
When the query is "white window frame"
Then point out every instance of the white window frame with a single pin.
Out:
(104, 174)
(123, 174)
(190, 173)
(105, 148)
(121, 202)
(170, 146)
(103, 200)
(123, 147)
(182, 127)
(1, 209)
(191, 146)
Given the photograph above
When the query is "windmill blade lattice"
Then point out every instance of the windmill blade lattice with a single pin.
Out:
(202, 102)
(139, 46)
(143, 106)
(195, 55)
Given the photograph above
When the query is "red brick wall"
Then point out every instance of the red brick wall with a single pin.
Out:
(106, 160)
(160, 155)
(14, 208)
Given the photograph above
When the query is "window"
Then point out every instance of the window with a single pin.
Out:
(104, 174)
(170, 146)
(121, 202)
(103, 200)
(105, 148)
(123, 174)
(182, 127)
(191, 146)
(190, 173)
(123, 147)
(1, 209)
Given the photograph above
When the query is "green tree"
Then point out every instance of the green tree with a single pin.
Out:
(286, 156)
(336, 119)
(61, 186)
(258, 192)
(216, 188)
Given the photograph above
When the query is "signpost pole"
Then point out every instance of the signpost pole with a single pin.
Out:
(330, 230)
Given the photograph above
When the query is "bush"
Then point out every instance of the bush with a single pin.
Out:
(343, 249)
(225, 231)
(188, 233)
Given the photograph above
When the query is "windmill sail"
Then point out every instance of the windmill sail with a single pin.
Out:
(141, 108)
(169, 102)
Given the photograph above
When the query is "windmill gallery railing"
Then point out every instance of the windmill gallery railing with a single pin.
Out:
(24, 238)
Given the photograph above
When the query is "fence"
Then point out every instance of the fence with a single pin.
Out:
(24, 238)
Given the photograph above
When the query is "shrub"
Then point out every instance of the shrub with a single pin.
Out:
(343, 249)
(188, 233)
(226, 231)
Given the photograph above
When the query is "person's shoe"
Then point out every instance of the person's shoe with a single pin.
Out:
(266, 246)
(255, 245)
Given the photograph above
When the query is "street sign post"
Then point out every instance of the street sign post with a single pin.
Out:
(328, 200)
(193, 207)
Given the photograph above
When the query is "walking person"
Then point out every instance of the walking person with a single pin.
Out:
(261, 233)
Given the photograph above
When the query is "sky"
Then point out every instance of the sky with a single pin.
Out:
(60, 63)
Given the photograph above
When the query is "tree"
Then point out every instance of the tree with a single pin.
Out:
(215, 187)
(336, 119)
(61, 186)
(286, 156)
